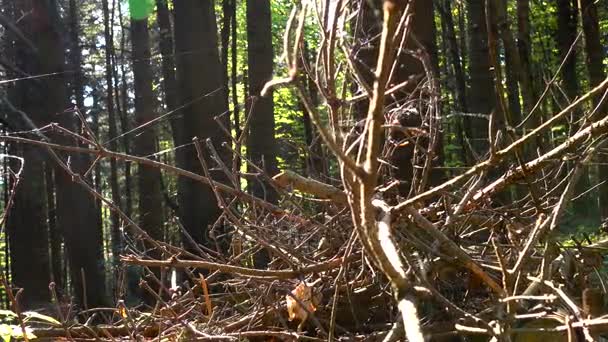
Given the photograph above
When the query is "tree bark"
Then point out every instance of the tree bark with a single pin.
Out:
(75, 209)
(168, 65)
(594, 52)
(200, 84)
(55, 238)
(481, 95)
(148, 180)
(112, 132)
(122, 108)
(26, 224)
(454, 53)
(513, 73)
(566, 34)
(261, 143)
(567, 16)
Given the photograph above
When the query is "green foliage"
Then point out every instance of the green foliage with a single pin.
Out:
(11, 329)
(37, 317)
(140, 9)
(8, 332)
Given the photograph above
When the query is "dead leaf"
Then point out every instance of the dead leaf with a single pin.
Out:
(303, 293)
(206, 294)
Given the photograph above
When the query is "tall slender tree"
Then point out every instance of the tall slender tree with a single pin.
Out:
(148, 178)
(455, 69)
(595, 55)
(567, 18)
(122, 105)
(76, 208)
(513, 73)
(201, 88)
(47, 101)
(261, 143)
(169, 82)
(566, 34)
(26, 226)
(112, 129)
(480, 94)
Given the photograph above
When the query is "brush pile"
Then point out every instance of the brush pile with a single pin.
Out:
(388, 245)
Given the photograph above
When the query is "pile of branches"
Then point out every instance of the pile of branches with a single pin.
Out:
(370, 256)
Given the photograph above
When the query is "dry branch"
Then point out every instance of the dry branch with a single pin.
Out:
(291, 180)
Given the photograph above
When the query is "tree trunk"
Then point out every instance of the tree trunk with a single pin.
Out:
(514, 76)
(567, 14)
(524, 47)
(481, 97)
(261, 143)
(112, 132)
(55, 238)
(445, 10)
(566, 34)
(75, 208)
(148, 180)
(200, 82)
(236, 159)
(423, 27)
(26, 224)
(594, 57)
(122, 108)
(168, 65)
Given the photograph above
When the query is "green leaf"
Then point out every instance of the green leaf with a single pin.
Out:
(29, 315)
(7, 313)
(6, 332)
(140, 9)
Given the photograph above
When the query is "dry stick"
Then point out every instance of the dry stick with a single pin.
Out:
(130, 223)
(15, 304)
(315, 117)
(465, 199)
(453, 249)
(575, 309)
(238, 270)
(549, 267)
(16, 181)
(551, 222)
(541, 224)
(500, 155)
(291, 180)
(226, 208)
(330, 72)
(332, 144)
(595, 129)
(377, 236)
(62, 318)
(555, 76)
(153, 163)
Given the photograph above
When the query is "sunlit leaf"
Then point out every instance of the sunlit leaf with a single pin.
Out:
(17, 332)
(29, 315)
(6, 332)
(7, 313)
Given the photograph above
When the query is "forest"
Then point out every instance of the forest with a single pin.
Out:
(314, 170)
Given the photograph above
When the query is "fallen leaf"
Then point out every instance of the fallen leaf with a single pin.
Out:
(303, 293)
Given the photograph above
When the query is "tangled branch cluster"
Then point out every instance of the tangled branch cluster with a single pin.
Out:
(372, 257)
